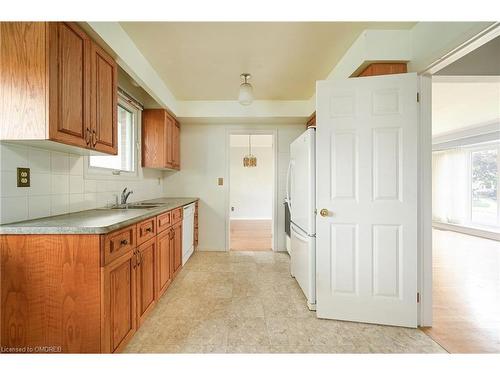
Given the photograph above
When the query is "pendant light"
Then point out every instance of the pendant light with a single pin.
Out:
(250, 160)
(246, 90)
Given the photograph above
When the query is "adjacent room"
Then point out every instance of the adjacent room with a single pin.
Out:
(251, 191)
(465, 208)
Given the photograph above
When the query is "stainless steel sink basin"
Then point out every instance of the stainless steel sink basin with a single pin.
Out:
(132, 206)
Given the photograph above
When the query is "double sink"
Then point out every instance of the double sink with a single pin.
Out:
(141, 206)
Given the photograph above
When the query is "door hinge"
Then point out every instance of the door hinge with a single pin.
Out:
(418, 97)
(418, 297)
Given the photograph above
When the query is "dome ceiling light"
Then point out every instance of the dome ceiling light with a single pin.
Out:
(246, 90)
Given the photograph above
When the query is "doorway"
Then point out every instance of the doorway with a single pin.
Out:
(251, 192)
(465, 210)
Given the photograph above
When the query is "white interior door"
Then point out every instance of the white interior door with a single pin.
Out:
(366, 152)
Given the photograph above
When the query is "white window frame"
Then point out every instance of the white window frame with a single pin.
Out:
(107, 173)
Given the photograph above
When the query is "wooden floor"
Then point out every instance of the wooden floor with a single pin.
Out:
(252, 235)
(466, 293)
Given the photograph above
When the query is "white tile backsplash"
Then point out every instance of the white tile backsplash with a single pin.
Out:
(59, 162)
(8, 185)
(41, 184)
(39, 160)
(75, 165)
(39, 206)
(59, 204)
(12, 157)
(13, 209)
(59, 184)
(76, 185)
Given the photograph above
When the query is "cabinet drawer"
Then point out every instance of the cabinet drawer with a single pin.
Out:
(118, 243)
(164, 221)
(146, 230)
(176, 215)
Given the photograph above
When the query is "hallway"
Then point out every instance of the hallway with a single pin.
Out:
(246, 302)
(256, 235)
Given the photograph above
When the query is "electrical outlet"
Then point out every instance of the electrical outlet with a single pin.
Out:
(23, 177)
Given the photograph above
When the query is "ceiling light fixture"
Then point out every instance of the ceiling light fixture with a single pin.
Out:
(246, 90)
(250, 160)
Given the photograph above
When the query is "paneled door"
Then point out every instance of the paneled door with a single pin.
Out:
(366, 152)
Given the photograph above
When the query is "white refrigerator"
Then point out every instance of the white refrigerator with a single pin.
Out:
(301, 198)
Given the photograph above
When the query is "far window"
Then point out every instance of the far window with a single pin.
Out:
(125, 160)
(484, 179)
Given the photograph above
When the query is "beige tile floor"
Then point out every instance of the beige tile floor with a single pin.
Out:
(246, 302)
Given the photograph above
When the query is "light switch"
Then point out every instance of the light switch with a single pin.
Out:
(23, 177)
(220, 181)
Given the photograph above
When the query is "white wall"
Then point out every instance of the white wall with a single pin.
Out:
(252, 188)
(204, 159)
(58, 185)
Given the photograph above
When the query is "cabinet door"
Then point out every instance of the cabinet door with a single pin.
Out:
(69, 86)
(177, 246)
(145, 277)
(103, 103)
(119, 302)
(154, 138)
(164, 261)
(169, 145)
(176, 145)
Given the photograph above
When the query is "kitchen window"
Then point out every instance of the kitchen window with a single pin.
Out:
(125, 162)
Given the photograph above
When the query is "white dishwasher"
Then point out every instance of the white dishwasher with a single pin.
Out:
(187, 232)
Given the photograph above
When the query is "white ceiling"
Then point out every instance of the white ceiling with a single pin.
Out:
(258, 140)
(459, 103)
(203, 60)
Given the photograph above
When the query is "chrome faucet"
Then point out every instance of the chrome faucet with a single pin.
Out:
(125, 195)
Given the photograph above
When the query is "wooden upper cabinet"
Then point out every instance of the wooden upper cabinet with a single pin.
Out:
(160, 140)
(154, 135)
(56, 85)
(176, 145)
(103, 107)
(69, 85)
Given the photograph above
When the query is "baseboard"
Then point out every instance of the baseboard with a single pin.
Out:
(477, 232)
(251, 218)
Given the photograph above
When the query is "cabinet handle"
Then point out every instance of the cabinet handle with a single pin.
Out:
(135, 259)
(87, 136)
(149, 229)
(94, 138)
(123, 242)
(139, 258)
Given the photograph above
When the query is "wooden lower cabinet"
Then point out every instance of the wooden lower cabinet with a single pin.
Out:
(165, 261)
(146, 278)
(119, 303)
(177, 243)
(83, 293)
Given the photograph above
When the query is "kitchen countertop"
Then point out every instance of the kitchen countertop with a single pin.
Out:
(96, 221)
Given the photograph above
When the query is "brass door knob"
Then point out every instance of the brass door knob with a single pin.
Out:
(324, 212)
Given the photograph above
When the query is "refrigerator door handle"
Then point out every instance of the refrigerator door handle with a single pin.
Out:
(299, 235)
(288, 183)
